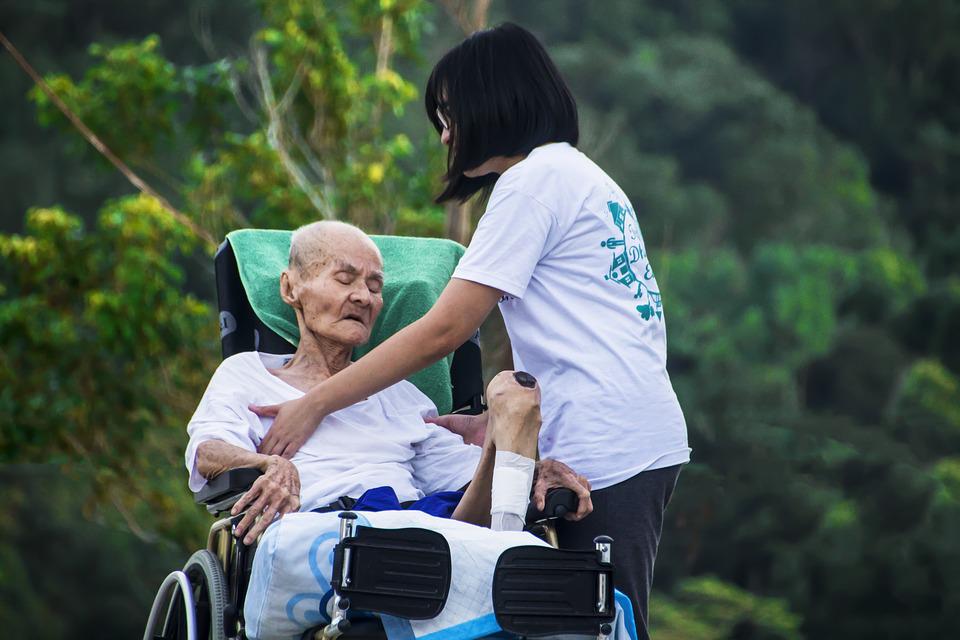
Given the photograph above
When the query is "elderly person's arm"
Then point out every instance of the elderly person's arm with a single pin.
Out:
(549, 474)
(502, 464)
(275, 493)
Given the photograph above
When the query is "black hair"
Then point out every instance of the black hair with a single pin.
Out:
(502, 96)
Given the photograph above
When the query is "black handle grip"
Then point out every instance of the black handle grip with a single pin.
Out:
(559, 503)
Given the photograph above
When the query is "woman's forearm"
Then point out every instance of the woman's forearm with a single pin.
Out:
(216, 456)
(406, 352)
(454, 318)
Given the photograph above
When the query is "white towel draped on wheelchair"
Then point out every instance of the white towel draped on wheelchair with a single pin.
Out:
(290, 591)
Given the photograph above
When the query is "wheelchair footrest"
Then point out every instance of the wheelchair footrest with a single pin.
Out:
(543, 591)
(399, 572)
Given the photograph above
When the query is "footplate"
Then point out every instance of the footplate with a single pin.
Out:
(399, 572)
(543, 591)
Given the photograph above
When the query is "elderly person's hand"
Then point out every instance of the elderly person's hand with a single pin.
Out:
(472, 429)
(551, 474)
(275, 493)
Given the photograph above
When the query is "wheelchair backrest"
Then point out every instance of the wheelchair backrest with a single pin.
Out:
(242, 329)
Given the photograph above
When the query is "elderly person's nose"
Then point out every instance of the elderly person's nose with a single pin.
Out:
(361, 294)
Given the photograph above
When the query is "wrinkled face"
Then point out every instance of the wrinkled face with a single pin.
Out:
(339, 297)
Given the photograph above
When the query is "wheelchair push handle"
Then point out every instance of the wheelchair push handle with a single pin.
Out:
(558, 503)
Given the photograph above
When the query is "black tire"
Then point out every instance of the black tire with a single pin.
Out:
(210, 595)
(203, 585)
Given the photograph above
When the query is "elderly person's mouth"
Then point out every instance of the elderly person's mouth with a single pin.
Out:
(355, 317)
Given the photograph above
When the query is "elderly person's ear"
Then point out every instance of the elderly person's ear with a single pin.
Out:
(288, 290)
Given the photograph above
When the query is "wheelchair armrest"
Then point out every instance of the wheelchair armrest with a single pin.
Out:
(559, 503)
(227, 485)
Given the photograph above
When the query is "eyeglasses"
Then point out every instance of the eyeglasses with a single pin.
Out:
(442, 119)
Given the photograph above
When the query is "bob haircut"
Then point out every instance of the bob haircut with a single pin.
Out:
(502, 96)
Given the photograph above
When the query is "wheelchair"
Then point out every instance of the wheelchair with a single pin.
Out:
(536, 590)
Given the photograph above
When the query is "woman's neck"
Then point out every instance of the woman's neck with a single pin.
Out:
(496, 164)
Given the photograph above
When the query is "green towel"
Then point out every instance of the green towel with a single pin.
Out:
(416, 269)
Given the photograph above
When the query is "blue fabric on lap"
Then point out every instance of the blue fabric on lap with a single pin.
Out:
(441, 504)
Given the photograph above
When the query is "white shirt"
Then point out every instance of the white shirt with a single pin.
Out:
(584, 314)
(382, 441)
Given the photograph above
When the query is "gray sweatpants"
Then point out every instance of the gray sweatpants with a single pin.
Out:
(630, 512)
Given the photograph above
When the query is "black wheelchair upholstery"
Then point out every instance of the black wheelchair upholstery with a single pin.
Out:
(400, 572)
(540, 591)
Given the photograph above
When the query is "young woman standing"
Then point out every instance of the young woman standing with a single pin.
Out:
(559, 248)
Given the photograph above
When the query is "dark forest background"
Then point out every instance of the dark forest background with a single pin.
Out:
(794, 166)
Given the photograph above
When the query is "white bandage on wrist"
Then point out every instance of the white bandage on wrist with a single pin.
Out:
(510, 494)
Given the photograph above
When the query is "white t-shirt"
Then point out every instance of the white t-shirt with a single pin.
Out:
(382, 441)
(583, 311)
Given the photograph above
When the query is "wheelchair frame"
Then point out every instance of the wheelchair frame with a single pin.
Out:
(215, 579)
(529, 599)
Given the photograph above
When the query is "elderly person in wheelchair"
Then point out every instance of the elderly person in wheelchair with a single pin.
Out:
(382, 453)
(333, 284)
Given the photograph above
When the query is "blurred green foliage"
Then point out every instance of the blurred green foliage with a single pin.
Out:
(64, 574)
(709, 609)
(99, 344)
(319, 143)
(795, 173)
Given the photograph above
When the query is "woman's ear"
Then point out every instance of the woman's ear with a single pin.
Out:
(288, 292)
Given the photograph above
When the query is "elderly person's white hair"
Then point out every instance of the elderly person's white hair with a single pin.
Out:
(310, 244)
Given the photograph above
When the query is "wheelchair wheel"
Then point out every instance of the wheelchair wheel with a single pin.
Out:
(191, 603)
(209, 594)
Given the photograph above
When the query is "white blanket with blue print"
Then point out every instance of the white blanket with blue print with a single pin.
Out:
(290, 590)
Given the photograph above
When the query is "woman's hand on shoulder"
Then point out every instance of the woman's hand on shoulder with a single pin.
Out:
(294, 422)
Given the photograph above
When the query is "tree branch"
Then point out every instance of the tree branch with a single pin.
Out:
(102, 148)
(275, 132)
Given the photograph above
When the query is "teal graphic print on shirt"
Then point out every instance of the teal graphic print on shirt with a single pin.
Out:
(629, 265)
